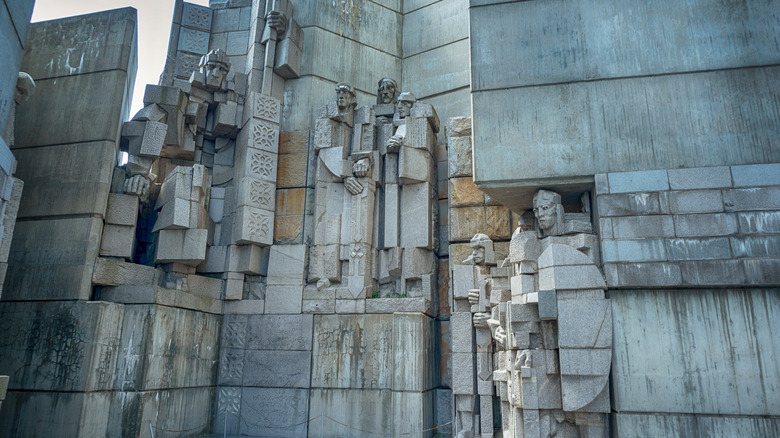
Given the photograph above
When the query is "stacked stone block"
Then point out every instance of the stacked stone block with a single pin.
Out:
(709, 226)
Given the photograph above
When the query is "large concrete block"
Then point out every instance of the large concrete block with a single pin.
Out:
(66, 179)
(636, 227)
(354, 351)
(277, 369)
(440, 69)
(286, 265)
(53, 259)
(271, 412)
(700, 178)
(700, 348)
(364, 411)
(274, 332)
(756, 175)
(60, 346)
(413, 352)
(627, 425)
(584, 323)
(182, 246)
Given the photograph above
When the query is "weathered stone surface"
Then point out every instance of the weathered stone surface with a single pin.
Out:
(678, 348)
(182, 246)
(463, 192)
(584, 323)
(354, 351)
(122, 209)
(158, 295)
(53, 259)
(700, 178)
(274, 368)
(118, 241)
(367, 410)
(275, 332)
(413, 347)
(283, 299)
(271, 411)
(392, 305)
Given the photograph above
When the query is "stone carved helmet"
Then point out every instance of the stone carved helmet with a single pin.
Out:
(345, 96)
(387, 91)
(481, 251)
(404, 104)
(549, 213)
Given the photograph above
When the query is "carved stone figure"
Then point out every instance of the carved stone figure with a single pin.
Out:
(387, 91)
(482, 251)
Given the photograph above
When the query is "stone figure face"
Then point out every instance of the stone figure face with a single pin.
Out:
(215, 72)
(387, 88)
(546, 206)
(478, 255)
(404, 104)
(404, 109)
(345, 97)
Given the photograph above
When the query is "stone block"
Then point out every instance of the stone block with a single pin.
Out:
(277, 368)
(283, 299)
(628, 204)
(256, 163)
(390, 264)
(111, 272)
(459, 156)
(393, 305)
(656, 425)
(548, 305)
(216, 260)
(463, 373)
(413, 347)
(465, 222)
(703, 225)
(286, 265)
(524, 246)
(351, 306)
(639, 181)
(700, 178)
(647, 274)
(53, 259)
(461, 329)
(204, 286)
(760, 198)
(416, 216)
(324, 263)
(759, 222)
(248, 259)
(122, 209)
(391, 208)
(571, 277)
(181, 246)
(291, 171)
(701, 249)
(634, 250)
(585, 362)
(414, 165)
(695, 201)
(498, 221)
(463, 281)
(713, 272)
(65, 179)
(367, 410)
(458, 127)
(337, 365)
(756, 175)
(319, 306)
(584, 324)
(271, 411)
(118, 241)
(463, 192)
(636, 227)
(253, 226)
(259, 134)
(256, 193)
(174, 215)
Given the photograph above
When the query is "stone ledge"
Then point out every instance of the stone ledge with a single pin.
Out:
(393, 305)
(161, 296)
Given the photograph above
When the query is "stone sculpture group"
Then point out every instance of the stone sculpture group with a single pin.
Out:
(533, 331)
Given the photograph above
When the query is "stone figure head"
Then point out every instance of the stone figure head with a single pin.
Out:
(481, 251)
(387, 91)
(215, 67)
(345, 96)
(25, 87)
(404, 104)
(549, 213)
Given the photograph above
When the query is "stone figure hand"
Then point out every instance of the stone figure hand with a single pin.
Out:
(276, 20)
(353, 186)
(499, 335)
(361, 167)
(474, 296)
(480, 320)
(137, 185)
(394, 143)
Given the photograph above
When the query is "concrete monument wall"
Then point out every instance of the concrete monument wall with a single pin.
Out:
(590, 87)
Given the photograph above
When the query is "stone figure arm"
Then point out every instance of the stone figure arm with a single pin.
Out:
(474, 296)
(277, 21)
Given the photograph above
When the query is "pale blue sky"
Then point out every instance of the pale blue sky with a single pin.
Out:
(154, 28)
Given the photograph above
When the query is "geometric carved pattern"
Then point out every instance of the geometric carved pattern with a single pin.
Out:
(233, 366)
(261, 194)
(229, 400)
(262, 164)
(265, 136)
(235, 334)
(259, 226)
(185, 64)
(266, 108)
(193, 41)
(198, 17)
